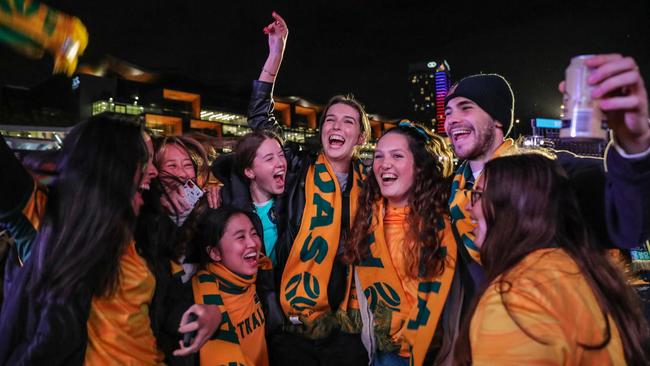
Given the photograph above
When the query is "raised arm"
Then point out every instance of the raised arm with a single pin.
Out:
(624, 99)
(627, 199)
(260, 107)
(277, 33)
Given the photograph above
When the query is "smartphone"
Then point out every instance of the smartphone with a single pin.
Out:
(187, 337)
(192, 192)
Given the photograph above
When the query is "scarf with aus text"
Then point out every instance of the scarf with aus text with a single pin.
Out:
(240, 338)
(303, 291)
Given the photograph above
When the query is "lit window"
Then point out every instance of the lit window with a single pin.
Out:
(134, 109)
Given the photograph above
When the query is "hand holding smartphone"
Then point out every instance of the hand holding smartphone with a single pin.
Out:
(192, 192)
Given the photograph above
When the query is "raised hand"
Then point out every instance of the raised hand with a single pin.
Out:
(624, 99)
(277, 32)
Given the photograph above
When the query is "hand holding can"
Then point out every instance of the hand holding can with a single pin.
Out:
(582, 117)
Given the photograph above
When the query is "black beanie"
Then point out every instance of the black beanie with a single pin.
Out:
(491, 92)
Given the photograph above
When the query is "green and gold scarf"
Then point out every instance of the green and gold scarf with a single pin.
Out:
(387, 298)
(303, 292)
(464, 179)
(208, 285)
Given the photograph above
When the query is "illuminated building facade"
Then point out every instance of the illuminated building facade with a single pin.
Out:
(429, 84)
(39, 118)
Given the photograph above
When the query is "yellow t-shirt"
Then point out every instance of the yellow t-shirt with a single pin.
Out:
(119, 329)
(550, 298)
(395, 228)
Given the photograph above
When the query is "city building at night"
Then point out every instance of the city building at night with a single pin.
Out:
(39, 118)
(429, 83)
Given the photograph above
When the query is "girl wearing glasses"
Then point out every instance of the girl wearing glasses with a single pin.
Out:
(551, 297)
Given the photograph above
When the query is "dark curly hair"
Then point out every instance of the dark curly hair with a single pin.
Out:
(428, 202)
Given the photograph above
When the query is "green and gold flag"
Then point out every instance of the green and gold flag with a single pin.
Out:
(33, 28)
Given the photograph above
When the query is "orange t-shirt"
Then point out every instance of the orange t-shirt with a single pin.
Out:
(119, 329)
(550, 298)
(395, 228)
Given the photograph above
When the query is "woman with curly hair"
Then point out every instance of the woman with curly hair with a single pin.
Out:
(403, 249)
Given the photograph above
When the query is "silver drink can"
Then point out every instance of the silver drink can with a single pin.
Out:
(582, 117)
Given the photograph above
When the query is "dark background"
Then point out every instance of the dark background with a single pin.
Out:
(361, 47)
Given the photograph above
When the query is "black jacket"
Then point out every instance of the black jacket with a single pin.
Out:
(155, 235)
(290, 205)
(616, 205)
(627, 199)
(32, 331)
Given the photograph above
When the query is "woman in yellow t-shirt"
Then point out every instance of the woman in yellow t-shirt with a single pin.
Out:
(84, 285)
(551, 297)
(85, 292)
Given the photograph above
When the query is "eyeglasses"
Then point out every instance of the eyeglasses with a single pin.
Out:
(474, 195)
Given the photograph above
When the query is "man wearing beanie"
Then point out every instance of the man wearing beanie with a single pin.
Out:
(489, 98)
(479, 113)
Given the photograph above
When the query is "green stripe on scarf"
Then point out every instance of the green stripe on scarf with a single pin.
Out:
(303, 289)
(460, 218)
(387, 298)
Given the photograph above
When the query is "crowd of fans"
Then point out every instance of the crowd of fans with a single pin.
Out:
(309, 257)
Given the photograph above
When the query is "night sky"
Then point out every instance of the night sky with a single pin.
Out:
(361, 47)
